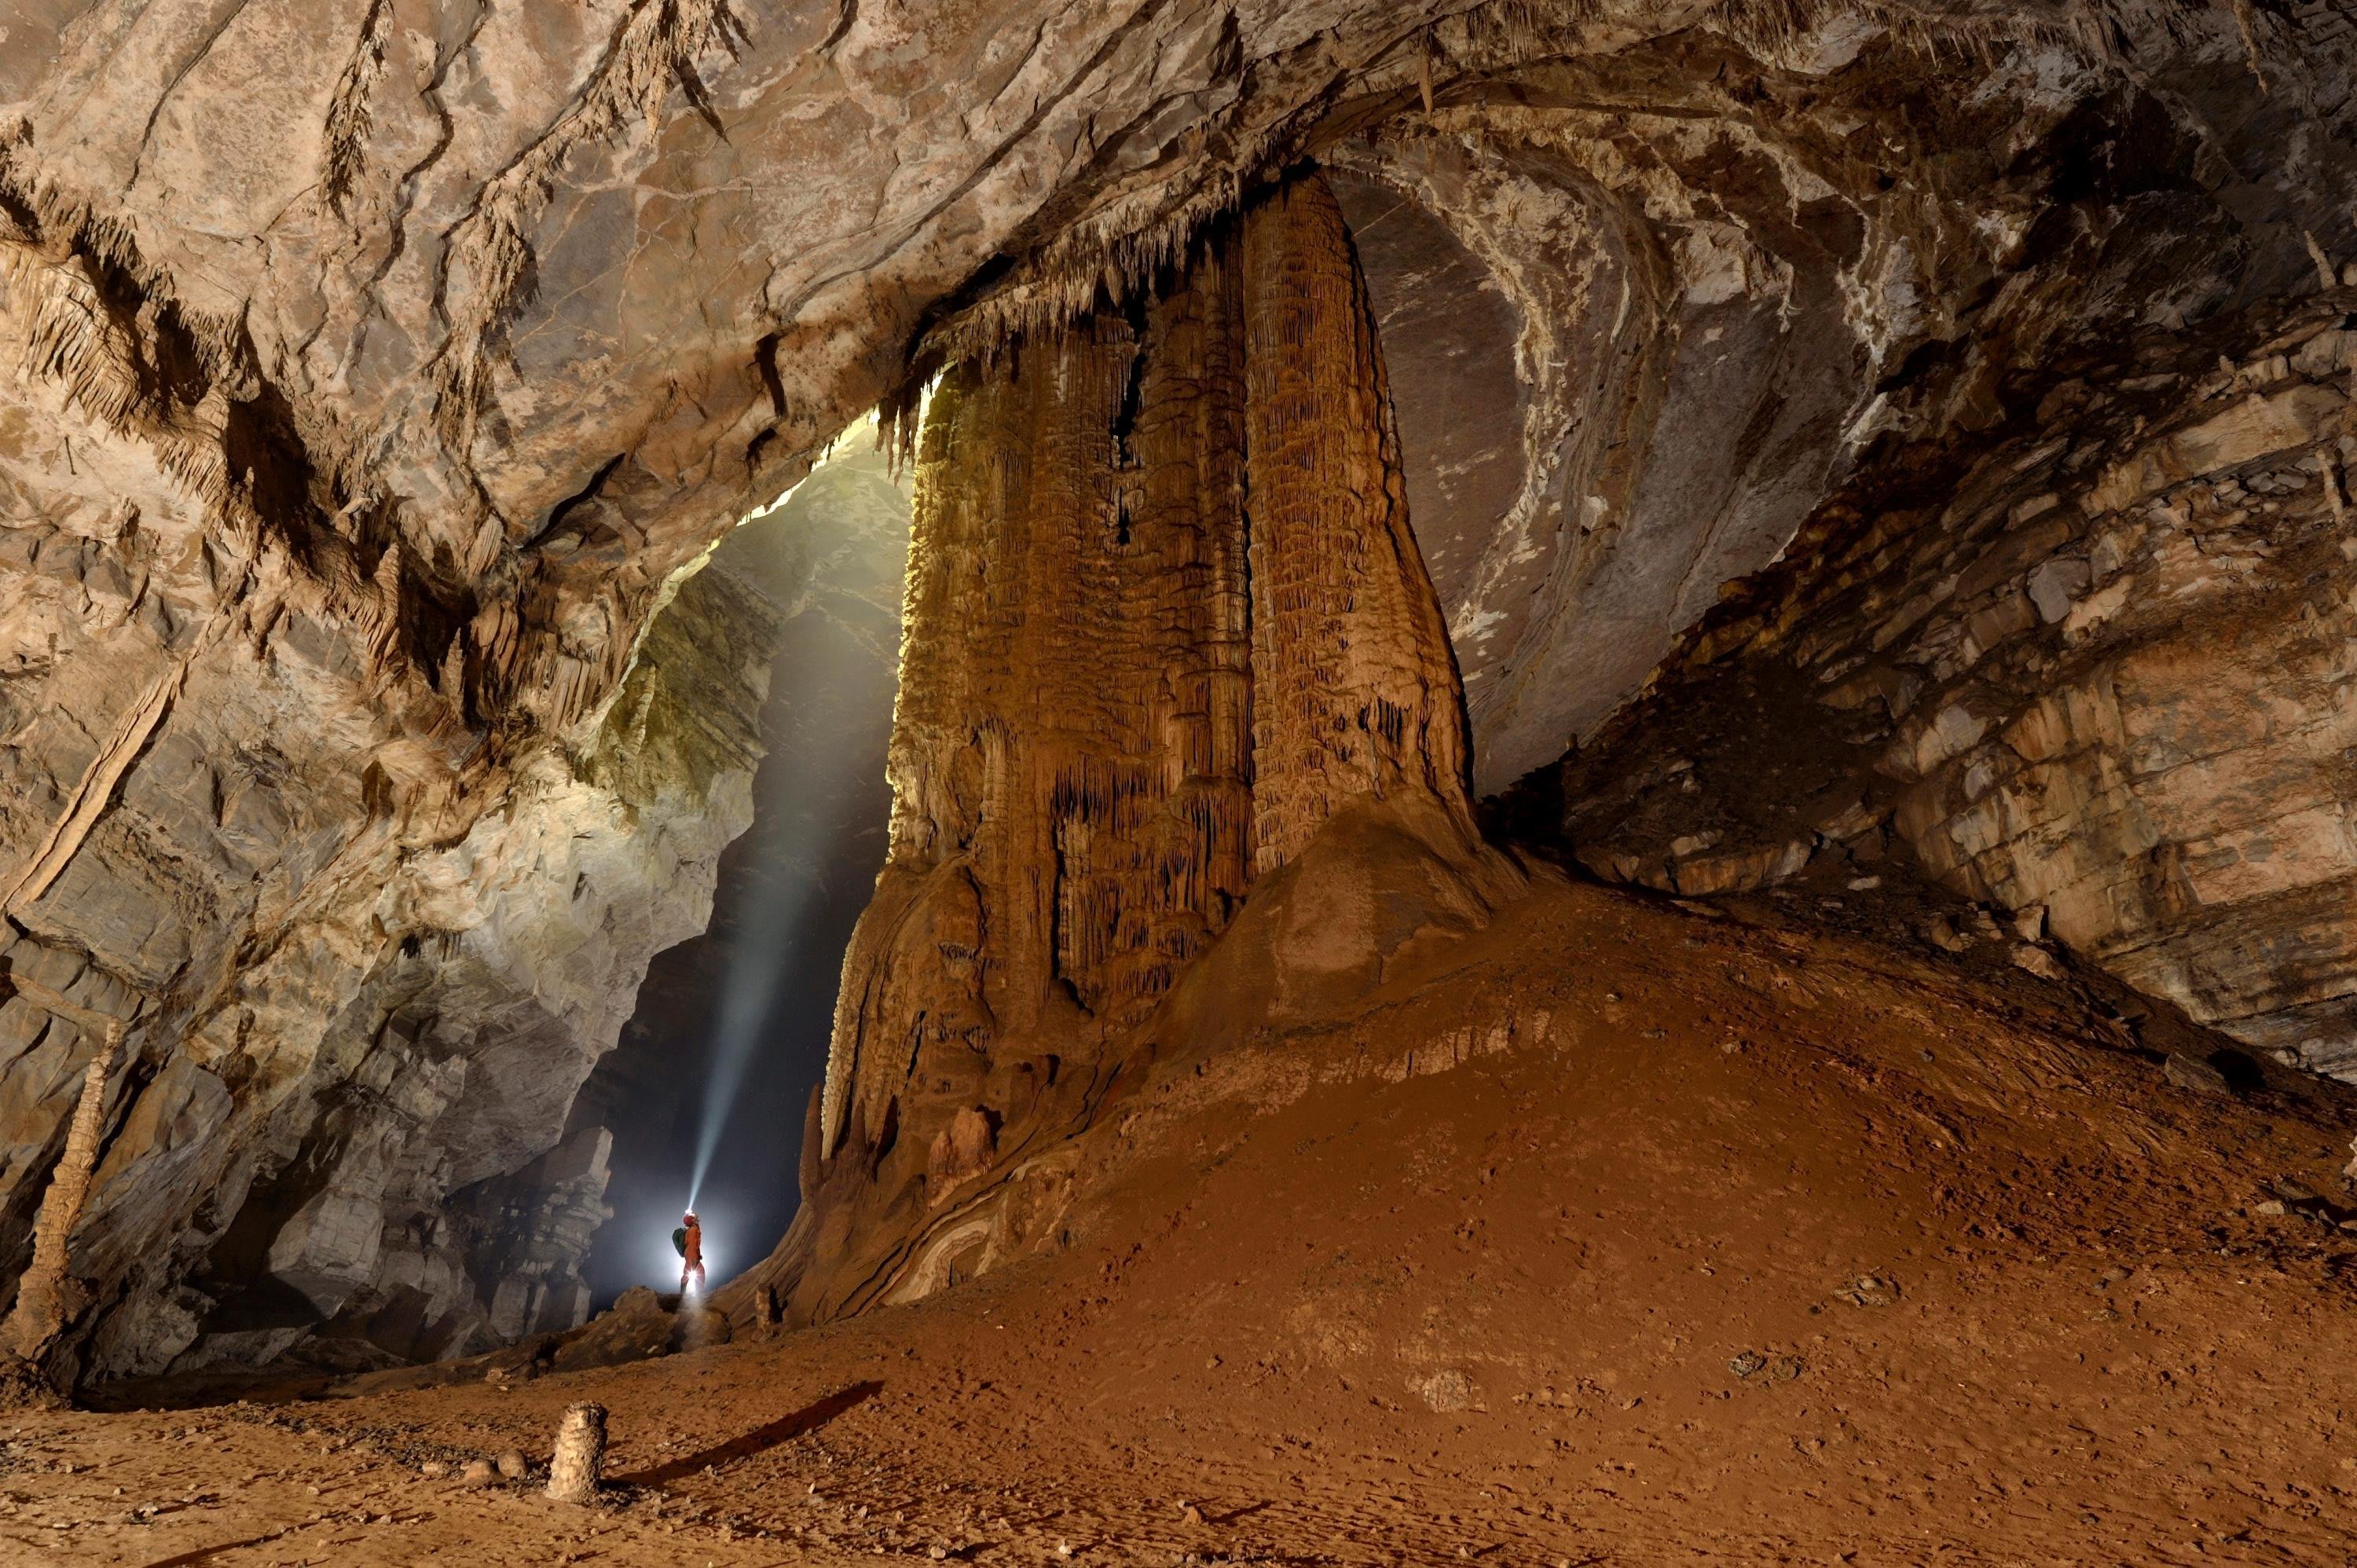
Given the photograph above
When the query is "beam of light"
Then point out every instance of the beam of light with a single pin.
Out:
(755, 967)
(767, 932)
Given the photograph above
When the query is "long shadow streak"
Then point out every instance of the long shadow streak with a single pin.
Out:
(759, 1440)
(204, 1552)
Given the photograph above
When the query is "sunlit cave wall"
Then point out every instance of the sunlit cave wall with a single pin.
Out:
(762, 980)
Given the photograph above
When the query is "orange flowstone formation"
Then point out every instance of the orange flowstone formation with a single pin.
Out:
(1164, 617)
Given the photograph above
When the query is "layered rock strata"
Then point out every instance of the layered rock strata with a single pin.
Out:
(2095, 671)
(1647, 312)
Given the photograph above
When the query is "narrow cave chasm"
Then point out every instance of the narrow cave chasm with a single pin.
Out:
(715, 1067)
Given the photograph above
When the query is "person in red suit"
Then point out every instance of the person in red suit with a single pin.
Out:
(689, 1239)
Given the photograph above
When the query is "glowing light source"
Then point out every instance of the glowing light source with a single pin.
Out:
(663, 1264)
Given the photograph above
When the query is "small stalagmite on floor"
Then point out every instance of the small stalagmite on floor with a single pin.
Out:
(580, 1458)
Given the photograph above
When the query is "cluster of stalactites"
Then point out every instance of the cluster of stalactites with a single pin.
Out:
(1164, 616)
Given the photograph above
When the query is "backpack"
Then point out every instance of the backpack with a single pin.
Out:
(679, 1240)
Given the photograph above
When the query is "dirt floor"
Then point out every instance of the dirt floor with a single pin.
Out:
(1623, 1234)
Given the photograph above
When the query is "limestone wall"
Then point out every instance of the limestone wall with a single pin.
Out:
(2099, 675)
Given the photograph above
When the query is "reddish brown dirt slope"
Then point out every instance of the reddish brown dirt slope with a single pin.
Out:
(1619, 1235)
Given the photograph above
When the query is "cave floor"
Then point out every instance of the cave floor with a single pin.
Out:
(1618, 1234)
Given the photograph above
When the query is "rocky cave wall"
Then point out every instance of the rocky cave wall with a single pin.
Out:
(2098, 676)
(350, 1145)
(1646, 314)
(378, 365)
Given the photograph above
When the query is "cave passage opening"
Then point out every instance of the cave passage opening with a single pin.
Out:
(705, 1093)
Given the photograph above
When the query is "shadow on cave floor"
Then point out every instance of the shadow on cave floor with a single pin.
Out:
(208, 1553)
(760, 1440)
(196, 1390)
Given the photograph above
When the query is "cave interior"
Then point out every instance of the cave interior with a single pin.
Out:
(1403, 722)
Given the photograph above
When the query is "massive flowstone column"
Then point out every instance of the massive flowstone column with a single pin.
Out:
(1356, 691)
(1165, 618)
(1071, 745)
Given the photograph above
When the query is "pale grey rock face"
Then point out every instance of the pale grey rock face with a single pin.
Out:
(1678, 390)
(1642, 322)
(2102, 679)
(376, 366)
(366, 1171)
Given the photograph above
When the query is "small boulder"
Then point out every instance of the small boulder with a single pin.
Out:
(2194, 1075)
(1446, 1390)
(477, 1473)
(1867, 1290)
(511, 1465)
(2035, 960)
(1945, 932)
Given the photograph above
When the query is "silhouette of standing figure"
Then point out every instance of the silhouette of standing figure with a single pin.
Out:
(689, 1239)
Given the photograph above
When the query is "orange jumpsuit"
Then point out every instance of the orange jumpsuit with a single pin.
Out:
(693, 1247)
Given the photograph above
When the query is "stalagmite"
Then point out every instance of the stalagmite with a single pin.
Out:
(579, 1464)
(45, 1295)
